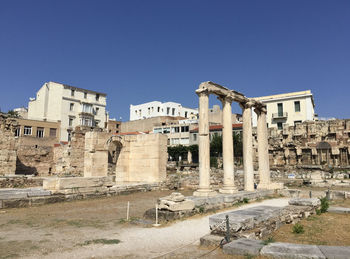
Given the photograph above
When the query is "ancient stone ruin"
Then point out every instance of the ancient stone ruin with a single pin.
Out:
(227, 96)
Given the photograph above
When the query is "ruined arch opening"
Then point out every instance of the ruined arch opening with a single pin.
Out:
(114, 149)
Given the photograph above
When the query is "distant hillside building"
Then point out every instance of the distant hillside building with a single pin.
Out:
(72, 106)
(156, 109)
(288, 108)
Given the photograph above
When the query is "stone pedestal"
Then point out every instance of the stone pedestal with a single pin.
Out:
(227, 147)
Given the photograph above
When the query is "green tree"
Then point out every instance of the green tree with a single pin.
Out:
(216, 145)
(237, 144)
(177, 151)
(13, 114)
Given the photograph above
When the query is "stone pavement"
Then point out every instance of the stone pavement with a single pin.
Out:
(285, 250)
(340, 210)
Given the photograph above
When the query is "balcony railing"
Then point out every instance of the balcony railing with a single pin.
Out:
(280, 115)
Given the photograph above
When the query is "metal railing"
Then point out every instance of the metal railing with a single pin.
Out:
(279, 115)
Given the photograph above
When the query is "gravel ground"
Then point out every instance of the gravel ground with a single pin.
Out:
(140, 242)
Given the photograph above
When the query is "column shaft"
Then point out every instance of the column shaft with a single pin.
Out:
(263, 152)
(227, 147)
(248, 148)
(204, 147)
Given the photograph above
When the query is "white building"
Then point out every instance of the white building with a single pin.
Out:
(288, 108)
(155, 109)
(70, 105)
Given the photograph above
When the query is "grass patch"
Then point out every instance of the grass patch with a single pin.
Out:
(268, 241)
(101, 241)
(298, 229)
(78, 223)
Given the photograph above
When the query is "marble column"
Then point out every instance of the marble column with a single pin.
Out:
(204, 146)
(227, 146)
(263, 152)
(248, 147)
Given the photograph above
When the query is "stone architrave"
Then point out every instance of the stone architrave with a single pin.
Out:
(204, 146)
(227, 146)
(263, 152)
(248, 146)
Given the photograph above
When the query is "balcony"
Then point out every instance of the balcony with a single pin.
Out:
(280, 115)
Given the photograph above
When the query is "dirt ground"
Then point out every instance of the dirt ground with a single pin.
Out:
(325, 229)
(96, 228)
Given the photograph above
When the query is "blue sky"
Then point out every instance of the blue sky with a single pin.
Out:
(140, 51)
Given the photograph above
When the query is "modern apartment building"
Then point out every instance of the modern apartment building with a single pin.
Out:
(288, 108)
(155, 109)
(69, 105)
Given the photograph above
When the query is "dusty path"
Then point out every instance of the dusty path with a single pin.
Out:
(139, 242)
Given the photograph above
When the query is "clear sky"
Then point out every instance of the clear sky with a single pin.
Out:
(140, 51)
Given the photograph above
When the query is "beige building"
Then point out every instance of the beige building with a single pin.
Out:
(113, 126)
(71, 106)
(35, 132)
(288, 108)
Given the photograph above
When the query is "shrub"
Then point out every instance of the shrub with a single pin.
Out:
(318, 212)
(268, 241)
(245, 200)
(298, 229)
(324, 204)
(214, 162)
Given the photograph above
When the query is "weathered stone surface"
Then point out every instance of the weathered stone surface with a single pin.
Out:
(76, 182)
(210, 240)
(243, 246)
(341, 210)
(175, 196)
(314, 202)
(176, 206)
(335, 252)
(243, 219)
(293, 251)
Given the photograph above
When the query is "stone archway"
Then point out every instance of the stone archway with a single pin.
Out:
(323, 151)
(114, 149)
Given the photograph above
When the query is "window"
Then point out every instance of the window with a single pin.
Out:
(140, 114)
(40, 132)
(86, 121)
(96, 111)
(69, 135)
(177, 129)
(173, 111)
(52, 132)
(185, 114)
(71, 106)
(158, 109)
(149, 110)
(97, 97)
(194, 137)
(117, 126)
(297, 106)
(72, 92)
(167, 110)
(27, 130)
(280, 109)
(17, 132)
(279, 125)
(296, 122)
(70, 123)
(85, 95)
(184, 128)
(87, 108)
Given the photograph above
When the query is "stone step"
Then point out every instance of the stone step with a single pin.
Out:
(243, 246)
(287, 250)
(341, 210)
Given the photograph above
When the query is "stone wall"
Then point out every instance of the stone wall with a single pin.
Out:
(36, 160)
(68, 158)
(7, 145)
(309, 143)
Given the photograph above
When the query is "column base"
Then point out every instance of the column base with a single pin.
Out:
(228, 189)
(270, 186)
(205, 193)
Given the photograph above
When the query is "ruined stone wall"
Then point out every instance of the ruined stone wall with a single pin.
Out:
(324, 143)
(143, 158)
(68, 158)
(36, 160)
(7, 145)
